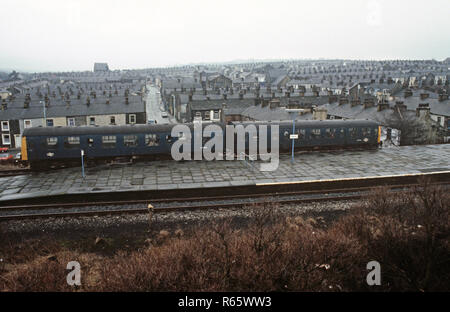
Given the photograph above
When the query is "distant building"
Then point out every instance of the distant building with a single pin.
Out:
(101, 67)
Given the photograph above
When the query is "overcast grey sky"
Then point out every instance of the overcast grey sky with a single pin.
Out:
(61, 35)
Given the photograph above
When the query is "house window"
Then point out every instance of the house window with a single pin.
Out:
(151, 140)
(49, 122)
(132, 119)
(216, 115)
(5, 125)
(207, 115)
(6, 139)
(112, 120)
(109, 141)
(439, 120)
(130, 140)
(92, 121)
(198, 114)
(71, 122)
(27, 124)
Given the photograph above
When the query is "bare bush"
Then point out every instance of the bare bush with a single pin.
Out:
(407, 232)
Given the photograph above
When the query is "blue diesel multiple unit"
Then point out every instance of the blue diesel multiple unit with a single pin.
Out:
(44, 147)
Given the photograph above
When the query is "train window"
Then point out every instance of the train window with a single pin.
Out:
(353, 132)
(72, 142)
(130, 140)
(330, 133)
(365, 132)
(151, 140)
(315, 133)
(51, 142)
(301, 133)
(109, 141)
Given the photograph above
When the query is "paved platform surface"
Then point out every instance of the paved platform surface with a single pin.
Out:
(163, 175)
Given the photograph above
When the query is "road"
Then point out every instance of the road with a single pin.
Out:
(154, 105)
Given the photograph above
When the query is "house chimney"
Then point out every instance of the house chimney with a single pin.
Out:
(126, 101)
(422, 110)
(408, 93)
(369, 102)
(382, 106)
(88, 101)
(190, 97)
(26, 104)
(443, 97)
(4, 104)
(288, 94)
(424, 96)
(355, 102)
(343, 100)
(274, 103)
(400, 106)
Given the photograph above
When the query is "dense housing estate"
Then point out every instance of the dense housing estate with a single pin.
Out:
(327, 89)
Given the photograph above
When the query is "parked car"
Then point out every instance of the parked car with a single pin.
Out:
(3, 149)
(6, 157)
(164, 115)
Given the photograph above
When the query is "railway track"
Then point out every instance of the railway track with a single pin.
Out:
(14, 172)
(100, 208)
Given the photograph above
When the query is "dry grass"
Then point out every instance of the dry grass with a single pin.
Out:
(408, 234)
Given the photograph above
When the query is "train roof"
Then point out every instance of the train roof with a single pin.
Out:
(145, 128)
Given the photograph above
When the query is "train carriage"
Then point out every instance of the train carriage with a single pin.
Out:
(44, 147)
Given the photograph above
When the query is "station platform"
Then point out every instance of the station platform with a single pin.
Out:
(170, 175)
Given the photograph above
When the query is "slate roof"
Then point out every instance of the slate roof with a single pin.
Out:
(59, 108)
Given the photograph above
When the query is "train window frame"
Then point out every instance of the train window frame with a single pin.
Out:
(315, 133)
(330, 133)
(130, 140)
(365, 132)
(151, 139)
(353, 132)
(109, 141)
(72, 142)
(301, 133)
(51, 142)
